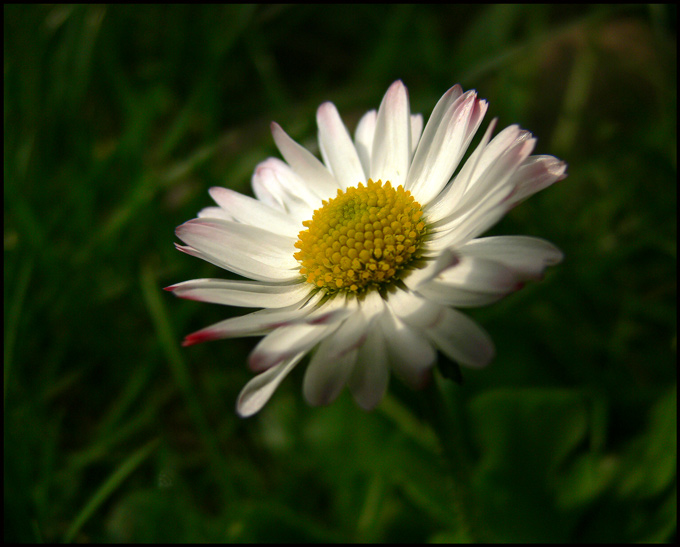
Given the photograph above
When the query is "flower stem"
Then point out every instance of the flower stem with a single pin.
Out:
(447, 416)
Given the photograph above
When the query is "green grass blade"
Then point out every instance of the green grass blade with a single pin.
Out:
(110, 486)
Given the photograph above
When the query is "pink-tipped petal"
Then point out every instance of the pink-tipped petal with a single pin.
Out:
(534, 175)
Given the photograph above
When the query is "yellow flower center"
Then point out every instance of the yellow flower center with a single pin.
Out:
(364, 237)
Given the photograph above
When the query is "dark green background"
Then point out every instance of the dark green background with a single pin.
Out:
(119, 119)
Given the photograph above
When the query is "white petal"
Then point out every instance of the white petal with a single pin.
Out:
(468, 225)
(482, 203)
(447, 200)
(214, 212)
(370, 376)
(327, 374)
(317, 178)
(461, 339)
(416, 131)
(474, 281)
(251, 211)
(441, 109)
(411, 355)
(245, 265)
(528, 256)
(486, 184)
(494, 178)
(242, 293)
(391, 152)
(341, 155)
(257, 391)
(535, 174)
(445, 140)
(491, 152)
(363, 138)
(223, 239)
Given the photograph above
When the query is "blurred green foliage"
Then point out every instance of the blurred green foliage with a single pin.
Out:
(117, 121)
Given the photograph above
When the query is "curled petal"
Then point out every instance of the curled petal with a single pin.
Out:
(259, 390)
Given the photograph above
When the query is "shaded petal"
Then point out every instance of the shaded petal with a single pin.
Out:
(242, 293)
(251, 211)
(314, 173)
(370, 376)
(338, 149)
(474, 281)
(527, 256)
(287, 341)
(415, 310)
(411, 355)
(391, 152)
(327, 373)
(461, 339)
(432, 268)
(349, 336)
(257, 391)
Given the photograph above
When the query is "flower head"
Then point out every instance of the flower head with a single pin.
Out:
(362, 259)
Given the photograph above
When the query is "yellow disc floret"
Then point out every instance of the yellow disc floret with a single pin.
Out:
(364, 237)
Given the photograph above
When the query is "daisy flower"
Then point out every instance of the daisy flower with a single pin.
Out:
(362, 259)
